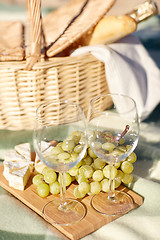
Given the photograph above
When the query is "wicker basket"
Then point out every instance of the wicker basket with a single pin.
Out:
(26, 84)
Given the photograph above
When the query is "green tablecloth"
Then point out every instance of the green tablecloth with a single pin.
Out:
(17, 222)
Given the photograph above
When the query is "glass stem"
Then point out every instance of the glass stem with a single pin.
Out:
(111, 195)
(62, 190)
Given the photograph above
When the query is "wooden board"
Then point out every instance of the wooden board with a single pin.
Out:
(90, 223)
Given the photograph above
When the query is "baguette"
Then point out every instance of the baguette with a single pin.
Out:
(112, 28)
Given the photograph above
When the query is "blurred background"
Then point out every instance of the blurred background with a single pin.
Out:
(148, 31)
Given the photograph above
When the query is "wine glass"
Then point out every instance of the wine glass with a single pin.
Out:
(113, 132)
(63, 123)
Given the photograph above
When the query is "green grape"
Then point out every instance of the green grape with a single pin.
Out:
(117, 183)
(37, 179)
(117, 164)
(99, 163)
(45, 170)
(95, 187)
(76, 133)
(57, 150)
(127, 178)
(81, 178)
(105, 185)
(84, 187)
(76, 139)
(91, 153)
(87, 160)
(119, 175)
(68, 145)
(78, 194)
(63, 156)
(132, 157)
(117, 152)
(127, 167)
(122, 148)
(73, 156)
(54, 188)
(106, 171)
(98, 175)
(50, 176)
(68, 179)
(97, 145)
(78, 148)
(59, 144)
(113, 172)
(43, 189)
(108, 147)
(86, 171)
(93, 166)
(73, 171)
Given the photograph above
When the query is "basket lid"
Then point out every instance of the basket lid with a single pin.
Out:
(71, 21)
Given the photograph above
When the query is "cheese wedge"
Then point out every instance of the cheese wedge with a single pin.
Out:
(24, 149)
(17, 174)
(20, 153)
(18, 166)
(12, 155)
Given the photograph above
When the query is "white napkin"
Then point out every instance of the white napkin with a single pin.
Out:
(129, 70)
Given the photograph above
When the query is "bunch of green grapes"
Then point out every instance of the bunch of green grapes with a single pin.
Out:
(48, 182)
(91, 173)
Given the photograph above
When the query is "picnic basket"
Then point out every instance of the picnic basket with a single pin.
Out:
(26, 84)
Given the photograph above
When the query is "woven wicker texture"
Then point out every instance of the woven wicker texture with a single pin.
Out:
(71, 21)
(77, 79)
(34, 15)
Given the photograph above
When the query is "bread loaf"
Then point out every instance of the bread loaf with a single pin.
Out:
(111, 29)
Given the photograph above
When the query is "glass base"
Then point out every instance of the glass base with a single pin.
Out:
(73, 212)
(119, 205)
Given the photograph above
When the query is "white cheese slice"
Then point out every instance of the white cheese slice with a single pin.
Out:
(12, 155)
(17, 174)
(24, 149)
(21, 153)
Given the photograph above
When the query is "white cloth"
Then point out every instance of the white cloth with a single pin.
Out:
(129, 70)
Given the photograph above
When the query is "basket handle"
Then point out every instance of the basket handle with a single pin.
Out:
(35, 21)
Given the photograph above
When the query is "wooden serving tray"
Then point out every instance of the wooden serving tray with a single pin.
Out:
(90, 223)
